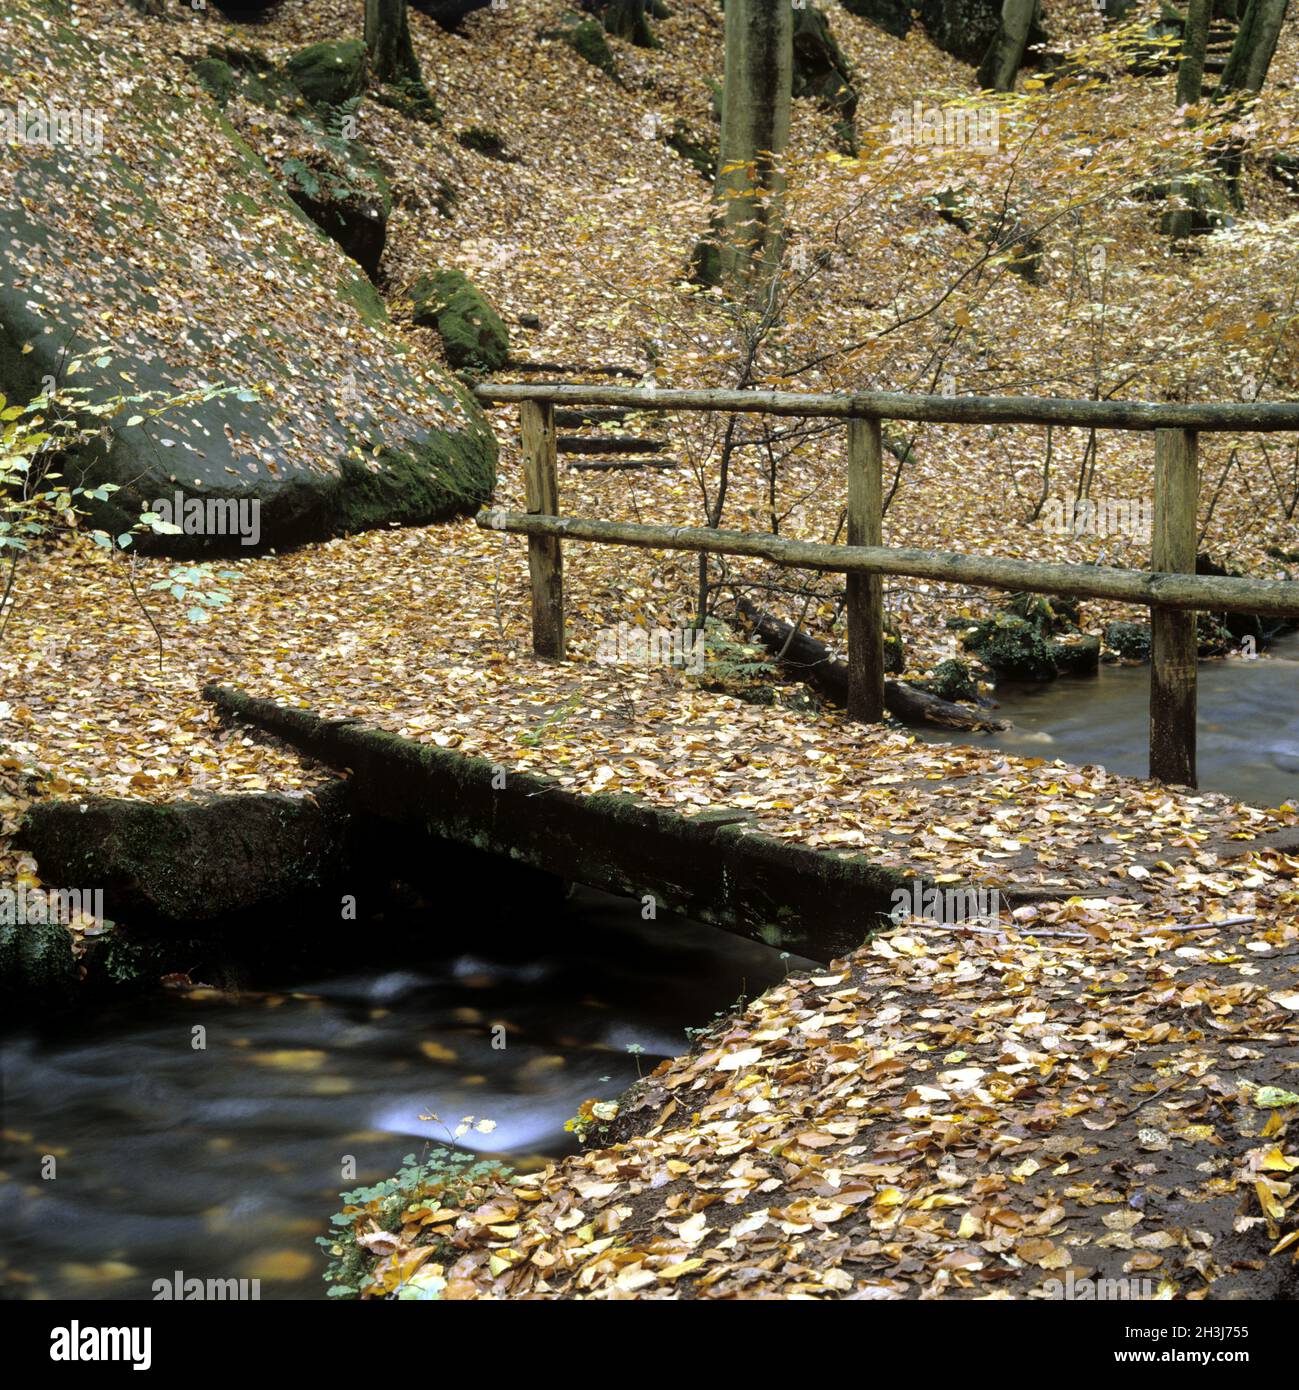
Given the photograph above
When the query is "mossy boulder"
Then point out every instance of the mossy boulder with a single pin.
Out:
(895, 655)
(185, 862)
(963, 28)
(586, 38)
(893, 16)
(1129, 640)
(411, 97)
(329, 74)
(1197, 205)
(354, 432)
(218, 77)
(626, 19)
(1011, 648)
(951, 680)
(706, 263)
(472, 333)
(696, 152)
(821, 71)
(1078, 654)
(37, 968)
(449, 13)
(345, 194)
(484, 140)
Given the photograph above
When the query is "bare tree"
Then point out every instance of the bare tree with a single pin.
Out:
(387, 37)
(1006, 52)
(1251, 55)
(755, 131)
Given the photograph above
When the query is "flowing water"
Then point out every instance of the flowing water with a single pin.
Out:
(224, 1162)
(1248, 732)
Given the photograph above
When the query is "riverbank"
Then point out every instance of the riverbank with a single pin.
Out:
(951, 1114)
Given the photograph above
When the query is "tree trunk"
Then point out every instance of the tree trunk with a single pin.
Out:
(1251, 55)
(1246, 71)
(1180, 219)
(626, 19)
(755, 131)
(810, 661)
(1006, 52)
(387, 37)
(1190, 71)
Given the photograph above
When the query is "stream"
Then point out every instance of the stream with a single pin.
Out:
(225, 1162)
(1248, 730)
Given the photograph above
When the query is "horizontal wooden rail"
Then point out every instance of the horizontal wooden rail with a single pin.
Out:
(887, 405)
(1170, 588)
(1210, 593)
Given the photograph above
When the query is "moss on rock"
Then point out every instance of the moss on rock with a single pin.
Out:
(37, 967)
(472, 333)
(586, 38)
(328, 74)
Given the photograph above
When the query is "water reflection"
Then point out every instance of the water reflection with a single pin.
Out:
(224, 1162)
(1248, 736)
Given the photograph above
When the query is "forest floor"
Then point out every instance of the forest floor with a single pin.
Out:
(945, 1112)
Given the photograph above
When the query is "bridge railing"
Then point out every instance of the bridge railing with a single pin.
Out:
(1170, 588)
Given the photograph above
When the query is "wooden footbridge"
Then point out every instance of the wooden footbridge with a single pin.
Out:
(1170, 588)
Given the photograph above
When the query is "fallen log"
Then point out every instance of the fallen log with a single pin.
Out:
(811, 661)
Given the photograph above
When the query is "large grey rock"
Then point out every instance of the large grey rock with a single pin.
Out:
(189, 862)
(172, 252)
(963, 28)
(450, 13)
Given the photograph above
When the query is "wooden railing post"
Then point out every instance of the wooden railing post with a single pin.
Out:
(545, 556)
(1173, 646)
(865, 591)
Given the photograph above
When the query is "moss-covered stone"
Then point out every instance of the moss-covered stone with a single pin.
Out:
(328, 74)
(355, 397)
(951, 680)
(37, 968)
(895, 653)
(472, 333)
(1011, 648)
(190, 861)
(1129, 640)
(586, 38)
(822, 72)
(483, 140)
(411, 97)
(694, 151)
(706, 263)
(344, 192)
(218, 77)
(1075, 655)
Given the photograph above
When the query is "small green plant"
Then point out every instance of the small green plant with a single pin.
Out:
(593, 1118)
(446, 1175)
(732, 667)
(39, 506)
(198, 587)
(552, 720)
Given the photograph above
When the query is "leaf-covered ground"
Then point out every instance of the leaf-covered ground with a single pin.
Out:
(942, 1113)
